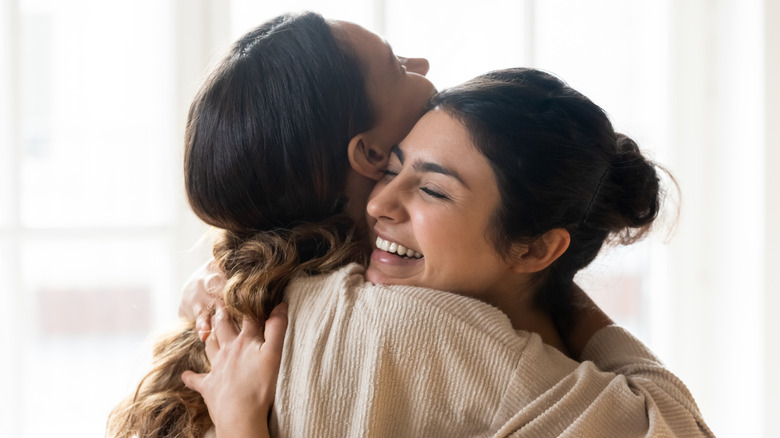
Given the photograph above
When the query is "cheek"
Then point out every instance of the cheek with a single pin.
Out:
(424, 90)
(439, 233)
(460, 240)
(402, 122)
(408, 108)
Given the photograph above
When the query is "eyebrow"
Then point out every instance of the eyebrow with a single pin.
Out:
(427, 166)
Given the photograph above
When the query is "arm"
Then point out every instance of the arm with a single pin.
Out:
(586, 320)
(619, 389)
(618, 377)
(239, 391)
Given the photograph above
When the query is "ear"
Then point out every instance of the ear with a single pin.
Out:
(542, 252)
(366, 157)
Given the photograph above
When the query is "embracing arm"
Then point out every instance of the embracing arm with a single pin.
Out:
(619, 389)
(596, 338)
(615, 386)
(669, 405)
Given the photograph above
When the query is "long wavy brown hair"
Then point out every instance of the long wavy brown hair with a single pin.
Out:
(265, 162)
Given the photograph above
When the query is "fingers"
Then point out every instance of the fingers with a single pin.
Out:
(223, 326)
(193, 380)
(212, 345)
(203, 325)
(250, 329)
(224, 331)
(275, 328)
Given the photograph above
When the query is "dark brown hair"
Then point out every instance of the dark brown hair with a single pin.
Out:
(558, 164)
(265, 161)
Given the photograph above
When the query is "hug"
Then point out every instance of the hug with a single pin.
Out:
(424, 245)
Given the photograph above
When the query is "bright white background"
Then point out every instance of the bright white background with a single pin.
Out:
(96, 238)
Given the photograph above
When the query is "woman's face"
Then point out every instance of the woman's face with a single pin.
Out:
(397, 86)
(438, 199)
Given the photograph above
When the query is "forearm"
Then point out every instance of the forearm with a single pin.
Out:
(594, 337)
(587, 319)
(666, 397)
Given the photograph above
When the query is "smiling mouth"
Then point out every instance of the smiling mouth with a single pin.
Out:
(394, 248)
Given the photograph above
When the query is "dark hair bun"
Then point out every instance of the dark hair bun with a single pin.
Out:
(637, 195)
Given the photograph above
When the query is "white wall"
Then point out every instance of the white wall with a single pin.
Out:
(719, 276)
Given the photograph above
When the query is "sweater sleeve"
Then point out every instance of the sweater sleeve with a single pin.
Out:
(621, 389)
(670, 406)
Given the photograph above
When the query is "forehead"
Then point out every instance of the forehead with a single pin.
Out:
(440, 134)
(440, 144)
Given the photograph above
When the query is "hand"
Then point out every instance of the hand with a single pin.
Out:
(239, 391)
(198, 294)
(587, 318)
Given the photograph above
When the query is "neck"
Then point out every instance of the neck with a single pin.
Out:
(525, 316)
(541, 323)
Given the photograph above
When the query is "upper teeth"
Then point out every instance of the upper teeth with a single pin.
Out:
(393, 247)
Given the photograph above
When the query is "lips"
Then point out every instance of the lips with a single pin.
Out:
(396, 248)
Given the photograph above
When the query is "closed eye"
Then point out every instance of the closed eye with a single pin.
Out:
(434, 193)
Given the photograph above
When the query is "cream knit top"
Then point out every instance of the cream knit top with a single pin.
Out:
(393, 361)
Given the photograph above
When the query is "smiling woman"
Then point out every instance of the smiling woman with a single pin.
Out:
(507, 189)
(270, 138)
(438, 198)
(481, 192)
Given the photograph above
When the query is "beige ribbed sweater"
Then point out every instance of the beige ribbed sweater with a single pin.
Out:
(393, 361)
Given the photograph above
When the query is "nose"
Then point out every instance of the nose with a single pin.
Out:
(385, 203)
(417, 65)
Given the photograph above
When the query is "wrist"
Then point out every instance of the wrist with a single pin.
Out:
(243, 429)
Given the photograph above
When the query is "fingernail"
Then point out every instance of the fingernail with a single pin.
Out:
(282, 308)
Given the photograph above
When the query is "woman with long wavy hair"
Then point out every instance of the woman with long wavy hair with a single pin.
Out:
(282, 142)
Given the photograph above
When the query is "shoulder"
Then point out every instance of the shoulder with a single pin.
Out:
(613, 348)
(390, 347)
(402, 317)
